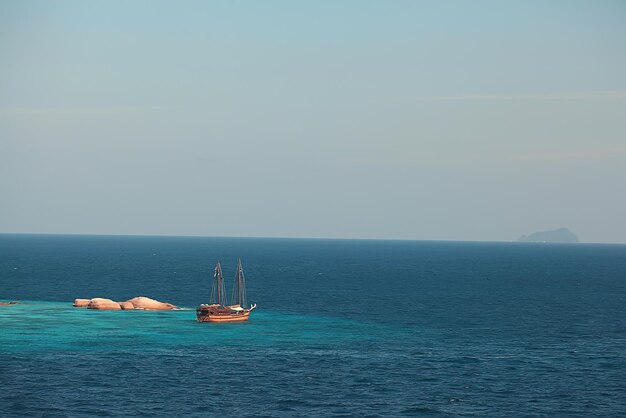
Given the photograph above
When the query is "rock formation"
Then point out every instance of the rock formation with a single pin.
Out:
(104, 304)
(10, 303)
(81, 303)
(126, 306)
(140, 302)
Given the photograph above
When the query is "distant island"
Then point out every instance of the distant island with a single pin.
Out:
(561, 235)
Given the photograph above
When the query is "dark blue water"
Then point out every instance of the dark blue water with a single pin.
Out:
(343, 327)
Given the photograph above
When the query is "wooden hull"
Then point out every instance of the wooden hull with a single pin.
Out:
(204, 316)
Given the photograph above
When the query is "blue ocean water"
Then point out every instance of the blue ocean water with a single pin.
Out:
(365, 328)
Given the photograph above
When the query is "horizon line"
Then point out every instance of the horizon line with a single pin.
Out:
(294, 238)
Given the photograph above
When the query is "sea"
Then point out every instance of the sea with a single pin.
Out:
(342, 328)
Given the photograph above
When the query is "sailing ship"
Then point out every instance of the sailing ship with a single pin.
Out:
(217, 310)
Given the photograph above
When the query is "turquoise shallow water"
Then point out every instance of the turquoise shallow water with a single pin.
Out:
(363, 328)
(37, 326)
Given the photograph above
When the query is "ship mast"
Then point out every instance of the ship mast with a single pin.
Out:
(241, 286)
(217, 291)
(239, 282)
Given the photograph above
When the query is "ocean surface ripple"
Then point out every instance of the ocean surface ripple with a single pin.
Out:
(366, 328)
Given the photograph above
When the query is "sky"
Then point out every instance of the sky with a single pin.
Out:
(426, 120)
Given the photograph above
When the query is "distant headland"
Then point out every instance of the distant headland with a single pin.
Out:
(561, 235)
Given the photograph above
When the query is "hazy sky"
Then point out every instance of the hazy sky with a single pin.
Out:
(463, 120)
